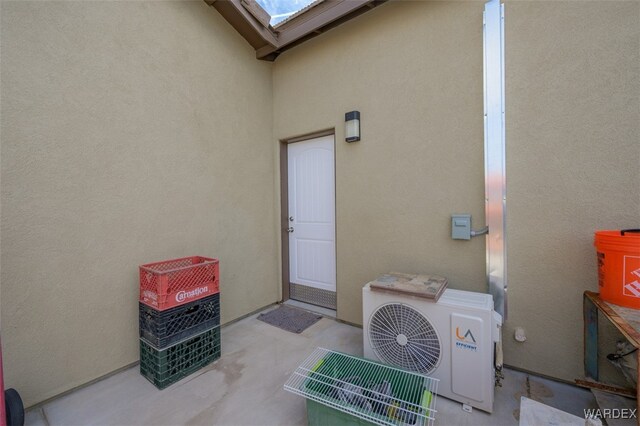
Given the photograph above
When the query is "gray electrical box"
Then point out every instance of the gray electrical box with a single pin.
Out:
(461, 226)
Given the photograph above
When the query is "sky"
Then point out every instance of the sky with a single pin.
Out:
(282, 7)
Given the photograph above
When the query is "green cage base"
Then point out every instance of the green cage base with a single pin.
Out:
(321, 415)
(343, 389)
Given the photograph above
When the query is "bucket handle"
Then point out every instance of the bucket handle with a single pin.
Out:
(629, 230)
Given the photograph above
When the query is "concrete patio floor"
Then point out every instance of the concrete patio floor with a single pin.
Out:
(245, 387)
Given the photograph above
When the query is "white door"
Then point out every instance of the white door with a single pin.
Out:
(312, 249)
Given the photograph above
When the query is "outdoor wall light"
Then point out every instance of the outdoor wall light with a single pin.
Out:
(352, 126)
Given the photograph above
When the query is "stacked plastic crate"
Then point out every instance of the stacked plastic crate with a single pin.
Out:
(179, 315)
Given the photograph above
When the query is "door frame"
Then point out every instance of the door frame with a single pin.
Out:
(284, 202)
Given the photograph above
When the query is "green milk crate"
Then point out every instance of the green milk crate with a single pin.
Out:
(167, 366)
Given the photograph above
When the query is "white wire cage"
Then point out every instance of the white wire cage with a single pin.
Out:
(368, 390)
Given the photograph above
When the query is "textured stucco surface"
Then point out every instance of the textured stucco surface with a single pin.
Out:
(414, 71)
(131, 132)
(138, 131)
(573, 152)
(573, 164)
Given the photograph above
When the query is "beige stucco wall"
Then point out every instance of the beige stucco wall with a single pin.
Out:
(414, 70)
(131, 132)
(573, 164)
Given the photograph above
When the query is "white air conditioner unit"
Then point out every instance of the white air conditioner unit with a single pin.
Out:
(452, 339)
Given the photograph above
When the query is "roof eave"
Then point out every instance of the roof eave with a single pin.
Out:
(247, 18)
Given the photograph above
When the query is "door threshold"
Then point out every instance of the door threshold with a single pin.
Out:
(311, 308)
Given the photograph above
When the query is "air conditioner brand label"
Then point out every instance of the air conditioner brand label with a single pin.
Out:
(466, 340)
(470, 356)
(181, 296)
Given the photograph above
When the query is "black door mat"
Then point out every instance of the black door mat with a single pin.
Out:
(290, 319)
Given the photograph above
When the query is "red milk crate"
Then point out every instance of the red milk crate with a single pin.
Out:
(171, 283)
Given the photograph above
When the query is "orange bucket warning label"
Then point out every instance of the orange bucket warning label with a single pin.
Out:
(619, 266)
(631, 276)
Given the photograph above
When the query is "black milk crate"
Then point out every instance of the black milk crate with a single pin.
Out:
(162, 329)
(167, 366)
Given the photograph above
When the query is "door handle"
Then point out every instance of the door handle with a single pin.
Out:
(290, 229)
(290, 218)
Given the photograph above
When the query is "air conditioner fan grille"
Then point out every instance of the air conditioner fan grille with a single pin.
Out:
(401, 336)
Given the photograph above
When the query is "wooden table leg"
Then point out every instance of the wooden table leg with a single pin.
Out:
(590, 313)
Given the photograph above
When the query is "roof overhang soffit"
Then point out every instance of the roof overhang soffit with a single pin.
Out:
(252, 22)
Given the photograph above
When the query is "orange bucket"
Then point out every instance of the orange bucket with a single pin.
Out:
(619, 266)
